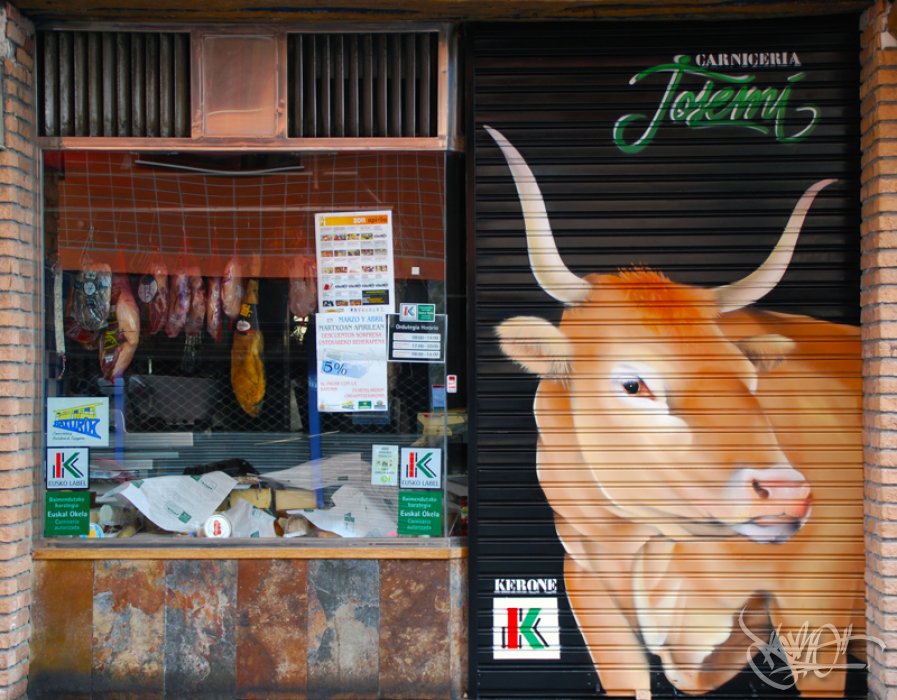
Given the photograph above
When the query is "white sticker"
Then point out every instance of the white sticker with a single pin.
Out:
(68, 468)
(525, 628)
(385, 465)
(421, 468)
(78, 422)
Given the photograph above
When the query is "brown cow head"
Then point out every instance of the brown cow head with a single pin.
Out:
(659, 405)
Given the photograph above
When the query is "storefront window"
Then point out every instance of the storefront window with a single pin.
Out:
(252, 345)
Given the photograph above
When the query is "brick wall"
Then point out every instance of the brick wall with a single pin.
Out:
(878, 92)
(19, 333)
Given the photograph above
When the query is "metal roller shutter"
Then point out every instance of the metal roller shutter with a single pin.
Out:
(702, 469)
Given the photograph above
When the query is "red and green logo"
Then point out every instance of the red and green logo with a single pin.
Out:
(421, 468)
(68, 468)
(525, 628)
(522, 629)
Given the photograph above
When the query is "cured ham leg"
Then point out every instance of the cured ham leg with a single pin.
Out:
(122, 333)
(247, 371)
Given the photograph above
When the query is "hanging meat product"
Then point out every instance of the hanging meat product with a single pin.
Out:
(214, 312)
(247, 372)
(153, 293)
(93, 293)
(122, 332)
(73, 329)
(232, 288)
(196, 315)
(303, 293)
(179, 304)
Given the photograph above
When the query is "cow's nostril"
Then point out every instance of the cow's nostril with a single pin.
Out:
(759, 490)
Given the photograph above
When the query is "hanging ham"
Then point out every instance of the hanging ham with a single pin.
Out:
(196, 315)
(247, 371)
(93, 292)
(122, 333)
(73, 329)
(232, 288)
(153, 293)
(178, 304)
(303, 293)
(214, 312)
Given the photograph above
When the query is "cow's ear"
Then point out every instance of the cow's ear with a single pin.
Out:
(767, 351)
(536, 345)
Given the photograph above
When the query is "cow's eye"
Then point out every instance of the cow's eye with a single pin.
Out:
(635, 386)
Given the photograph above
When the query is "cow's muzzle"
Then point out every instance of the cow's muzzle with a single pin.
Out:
(768, 505)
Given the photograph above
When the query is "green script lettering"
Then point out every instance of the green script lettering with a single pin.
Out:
(722, 100)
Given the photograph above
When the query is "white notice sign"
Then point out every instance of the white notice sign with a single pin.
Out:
(351, 362)
(355, 265)
(385, 465)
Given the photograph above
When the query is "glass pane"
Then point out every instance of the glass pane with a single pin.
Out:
(239, 85)
(233, 322)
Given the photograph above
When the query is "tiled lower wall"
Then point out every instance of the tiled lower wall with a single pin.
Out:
(222, 629)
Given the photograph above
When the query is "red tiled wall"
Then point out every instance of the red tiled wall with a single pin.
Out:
(18, 347)
(878, 92)
(114, 208)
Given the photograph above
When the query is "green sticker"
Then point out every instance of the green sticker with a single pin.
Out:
(420, 513)
(67, 513)
(426, 312)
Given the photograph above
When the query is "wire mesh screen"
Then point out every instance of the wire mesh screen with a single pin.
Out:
(191, 225)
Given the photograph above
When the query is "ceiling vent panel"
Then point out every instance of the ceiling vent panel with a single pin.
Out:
(363, 85)
(114, 84)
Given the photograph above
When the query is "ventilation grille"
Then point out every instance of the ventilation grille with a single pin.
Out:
(114, 84)
(362, 85)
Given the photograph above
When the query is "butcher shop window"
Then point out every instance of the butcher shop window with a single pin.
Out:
(253, 346)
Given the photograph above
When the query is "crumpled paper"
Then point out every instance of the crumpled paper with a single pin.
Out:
(175, 503)
(358, 511)
(248, 521)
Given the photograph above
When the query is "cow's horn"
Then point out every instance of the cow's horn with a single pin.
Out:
(544, 259)
(761, 281)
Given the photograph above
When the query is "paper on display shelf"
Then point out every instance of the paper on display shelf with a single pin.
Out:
(358, 511)
(321, 473)
(175, 503)
(249, 521)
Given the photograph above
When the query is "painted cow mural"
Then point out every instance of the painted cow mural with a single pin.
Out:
(678, 447)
